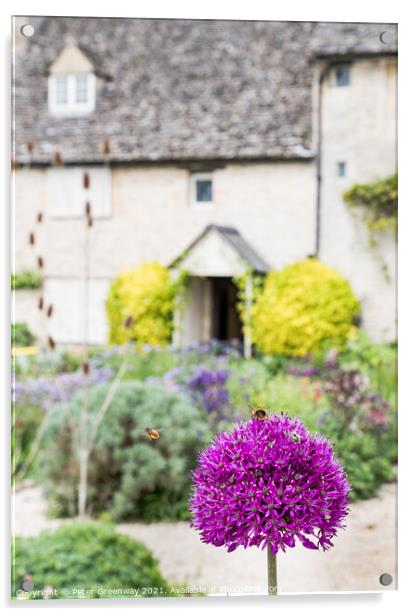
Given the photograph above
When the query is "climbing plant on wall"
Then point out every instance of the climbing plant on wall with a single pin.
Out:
(240, 282)
(379, 200)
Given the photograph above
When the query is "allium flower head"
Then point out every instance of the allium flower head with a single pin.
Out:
(270, 483)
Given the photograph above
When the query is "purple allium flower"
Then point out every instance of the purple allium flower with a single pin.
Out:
(269, 482)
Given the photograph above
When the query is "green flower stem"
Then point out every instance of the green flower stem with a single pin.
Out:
(272, 572)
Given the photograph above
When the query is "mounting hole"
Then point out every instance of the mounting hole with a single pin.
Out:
(27, 584)
(386, 579)
(27, 30)
(384, 37)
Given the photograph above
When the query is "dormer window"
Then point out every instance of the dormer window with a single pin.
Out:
(72, 83)
(71, 93)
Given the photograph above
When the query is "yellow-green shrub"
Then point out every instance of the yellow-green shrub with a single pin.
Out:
(302, 308)
(140, 305)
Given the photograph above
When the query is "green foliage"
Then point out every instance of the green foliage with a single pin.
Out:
(367, 457)
(378, 361)
(68, 362)
(141, 303)
(128, 475)
(247, 381)
(302, 308)
(46, 363)
(241, 282)
(21, 335)
(298, 397)
(368, 453)
(25, 424)
(367, 450)
(141, 364)
(85, 555)
(379, 200)
(275, 363)
(26, 280)
(361, 424)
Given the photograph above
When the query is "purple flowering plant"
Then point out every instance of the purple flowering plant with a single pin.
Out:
(209, 387)
(269, 483)
(198, 352)
(353, 402)
(47, 391)
(204, 384)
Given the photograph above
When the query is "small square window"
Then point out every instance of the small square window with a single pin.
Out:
(341, 169)
(343, 76)
(203, 190)
(201, 187)
(61, 89)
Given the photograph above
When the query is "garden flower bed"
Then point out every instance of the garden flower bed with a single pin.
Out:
(350, 397)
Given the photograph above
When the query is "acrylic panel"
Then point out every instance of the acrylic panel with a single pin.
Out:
(204, 307)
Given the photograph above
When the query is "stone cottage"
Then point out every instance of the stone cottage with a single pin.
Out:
(216, 145)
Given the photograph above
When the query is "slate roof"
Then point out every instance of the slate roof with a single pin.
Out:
(183, 89)
(238, 243)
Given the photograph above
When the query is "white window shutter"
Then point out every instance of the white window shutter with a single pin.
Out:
(99, 191)
(67, 194)
(67, 325)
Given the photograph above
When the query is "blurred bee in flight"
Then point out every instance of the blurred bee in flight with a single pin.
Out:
(152, 434)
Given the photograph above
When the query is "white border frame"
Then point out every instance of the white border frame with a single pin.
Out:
(321, 10)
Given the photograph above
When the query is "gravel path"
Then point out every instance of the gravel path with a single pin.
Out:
(362, 552)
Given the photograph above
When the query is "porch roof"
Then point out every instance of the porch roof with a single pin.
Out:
(220, 251)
